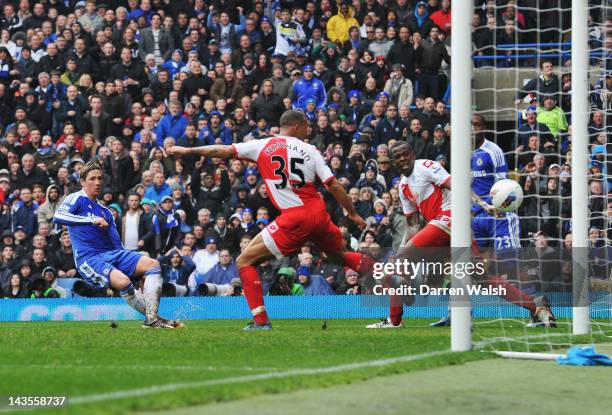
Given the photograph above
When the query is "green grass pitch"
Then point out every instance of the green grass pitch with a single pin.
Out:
(128, 369)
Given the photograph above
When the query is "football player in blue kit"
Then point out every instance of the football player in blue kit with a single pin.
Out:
(99, 255)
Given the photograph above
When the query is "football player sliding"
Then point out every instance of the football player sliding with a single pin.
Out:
(99, 255)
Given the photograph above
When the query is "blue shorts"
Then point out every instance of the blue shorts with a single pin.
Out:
(96, 269)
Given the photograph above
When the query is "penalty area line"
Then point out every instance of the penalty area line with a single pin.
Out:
(151, 390)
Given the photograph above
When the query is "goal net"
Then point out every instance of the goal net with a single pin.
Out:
(522, 84)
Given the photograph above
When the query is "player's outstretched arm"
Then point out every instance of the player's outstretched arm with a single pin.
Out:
(215, 151)
(490, 209)
(339, 193)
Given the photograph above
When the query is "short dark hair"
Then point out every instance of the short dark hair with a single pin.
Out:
(89, 167)
(397, 145)
(543, 62)
(292, 117)
(481, 118)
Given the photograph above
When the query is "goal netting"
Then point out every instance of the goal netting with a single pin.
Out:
(522, 84)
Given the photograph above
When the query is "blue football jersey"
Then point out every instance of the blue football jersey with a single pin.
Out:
(498, 232)
(77, 212)
(488, 165)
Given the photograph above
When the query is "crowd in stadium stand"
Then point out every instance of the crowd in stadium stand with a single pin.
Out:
(120, 81)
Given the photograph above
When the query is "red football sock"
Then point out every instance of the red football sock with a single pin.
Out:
(396, 310)
(361, 263)
(352, 260)
(513, 294)
(253, 291)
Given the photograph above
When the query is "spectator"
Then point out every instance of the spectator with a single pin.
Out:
(216, 132)
(398, 87)
(206, 193)
(227, 88)
(138, 233)
(309, 87)
(268, 104)
(49, 274)
(120, 167)
(429, 62)
(380, 46)
(166, 225)
(172, 124)
(417, 138)
(442, 17)
(90, 19)
(205, 259)
(197, 83)
(16, 287)
(23, 214)
(390, 127)
(72, 109)
(284, 283)
(350, 285)
(63, 258)
(84, 62)
(131, 73)
(532, 125)
(158, 189)
(313, 284)
(96, 121)
(224, 30)
(290, 36)
(156, 40)
(176, 270)
(338, 26)
(552, 116)
(49, 207)
(438, 145)
(420, 21)
(223, 272)
(280, 84)
(545, 85)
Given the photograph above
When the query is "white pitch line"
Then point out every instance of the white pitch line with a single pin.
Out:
(151, 390)
(137, 367)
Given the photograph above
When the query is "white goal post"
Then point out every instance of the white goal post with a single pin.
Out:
(580, 157)
(461, 152)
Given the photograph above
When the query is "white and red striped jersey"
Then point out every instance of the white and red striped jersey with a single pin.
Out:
(422, 191)
(289, 168)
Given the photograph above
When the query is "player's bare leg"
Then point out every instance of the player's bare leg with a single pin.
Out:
(151, 271)
(255, 252)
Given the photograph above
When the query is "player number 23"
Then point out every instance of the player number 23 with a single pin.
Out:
(295, 170)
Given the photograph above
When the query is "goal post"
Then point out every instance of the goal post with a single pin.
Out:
(461, 151)
(580, 157)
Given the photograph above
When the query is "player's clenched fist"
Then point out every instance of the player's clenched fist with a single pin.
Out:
(100, 222)
(358, 220)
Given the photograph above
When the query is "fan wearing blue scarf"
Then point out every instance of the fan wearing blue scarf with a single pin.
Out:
(166, 225)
